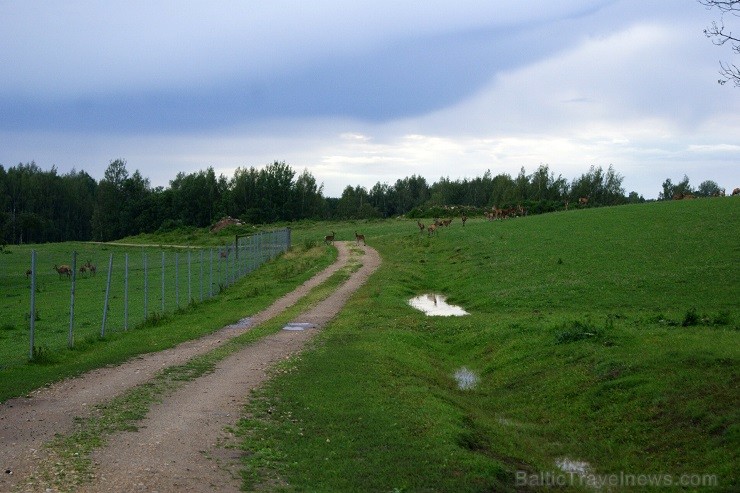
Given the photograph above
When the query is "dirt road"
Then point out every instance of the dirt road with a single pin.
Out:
(180, 446)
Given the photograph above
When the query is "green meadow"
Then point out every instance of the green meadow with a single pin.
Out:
(603, 346)
(605, 337)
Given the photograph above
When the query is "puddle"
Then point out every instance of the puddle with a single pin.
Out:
(435, 305)
(299, 326)
(240, 324)
(573, 466)
(466, 379)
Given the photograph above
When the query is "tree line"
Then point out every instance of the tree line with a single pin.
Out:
(38, 206)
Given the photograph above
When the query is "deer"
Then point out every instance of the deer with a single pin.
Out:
(583, 201)
(90, 267)
(359, 238)
(433, 229)
(83, 270)
(63, 269)
(421, 226)
(224, 253)
(329, 238)
(463, 219)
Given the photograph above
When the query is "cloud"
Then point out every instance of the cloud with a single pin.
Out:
(367, 92)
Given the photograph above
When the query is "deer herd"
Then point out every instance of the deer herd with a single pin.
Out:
(66, 270)
(494, 214)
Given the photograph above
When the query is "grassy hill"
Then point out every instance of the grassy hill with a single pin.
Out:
(604, 346)
(605, 340)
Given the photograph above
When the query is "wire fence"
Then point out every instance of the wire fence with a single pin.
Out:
(125, 289)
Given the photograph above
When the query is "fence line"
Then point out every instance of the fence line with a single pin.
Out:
(127, 287)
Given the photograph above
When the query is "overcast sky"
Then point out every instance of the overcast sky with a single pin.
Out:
(364, 92)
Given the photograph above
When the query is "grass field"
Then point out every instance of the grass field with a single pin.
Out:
(606, 339)
(146, 283)
(604, 342)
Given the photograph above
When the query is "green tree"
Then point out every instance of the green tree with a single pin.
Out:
(197, 198)
(409, 193)
(355, 204)
(601, 188)
(381, 198)
(503, 191)
(107, 219)
(309, 202)
(134, 220)
(275, 189)
(709, 188)
(545, 186)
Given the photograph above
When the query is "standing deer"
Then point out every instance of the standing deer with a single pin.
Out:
(359, 238)
(329, 238)
(463, 219)
(421, 226)
(83, 270)
(90, 267)
(63, 269)
(432, 229)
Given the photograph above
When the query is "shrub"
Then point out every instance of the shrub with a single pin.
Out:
(691, 318)
(576, 331)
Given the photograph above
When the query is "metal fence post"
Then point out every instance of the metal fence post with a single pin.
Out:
(211, 274)
(107, 295)
(146, 287)
(33, 305)
(125, 294)
(177, 281)
(162, 283)
(70, 335)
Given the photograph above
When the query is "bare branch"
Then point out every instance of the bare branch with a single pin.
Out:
(720, 35)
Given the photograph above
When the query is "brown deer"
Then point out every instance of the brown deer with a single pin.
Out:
(329, 238)
(421, 226)
(63, 269)
(463, 219)
(90, 267)
(433, 229)
(360, 238)
(583, 201)
(83, 270)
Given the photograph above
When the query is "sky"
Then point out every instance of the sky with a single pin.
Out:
(365, 92)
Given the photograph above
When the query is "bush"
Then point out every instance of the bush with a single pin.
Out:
(691, 318)
(576, 331)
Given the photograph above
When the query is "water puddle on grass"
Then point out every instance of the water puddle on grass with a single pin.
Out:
(570, 466)
(299, 326)
(466, 379)
(434, 305)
